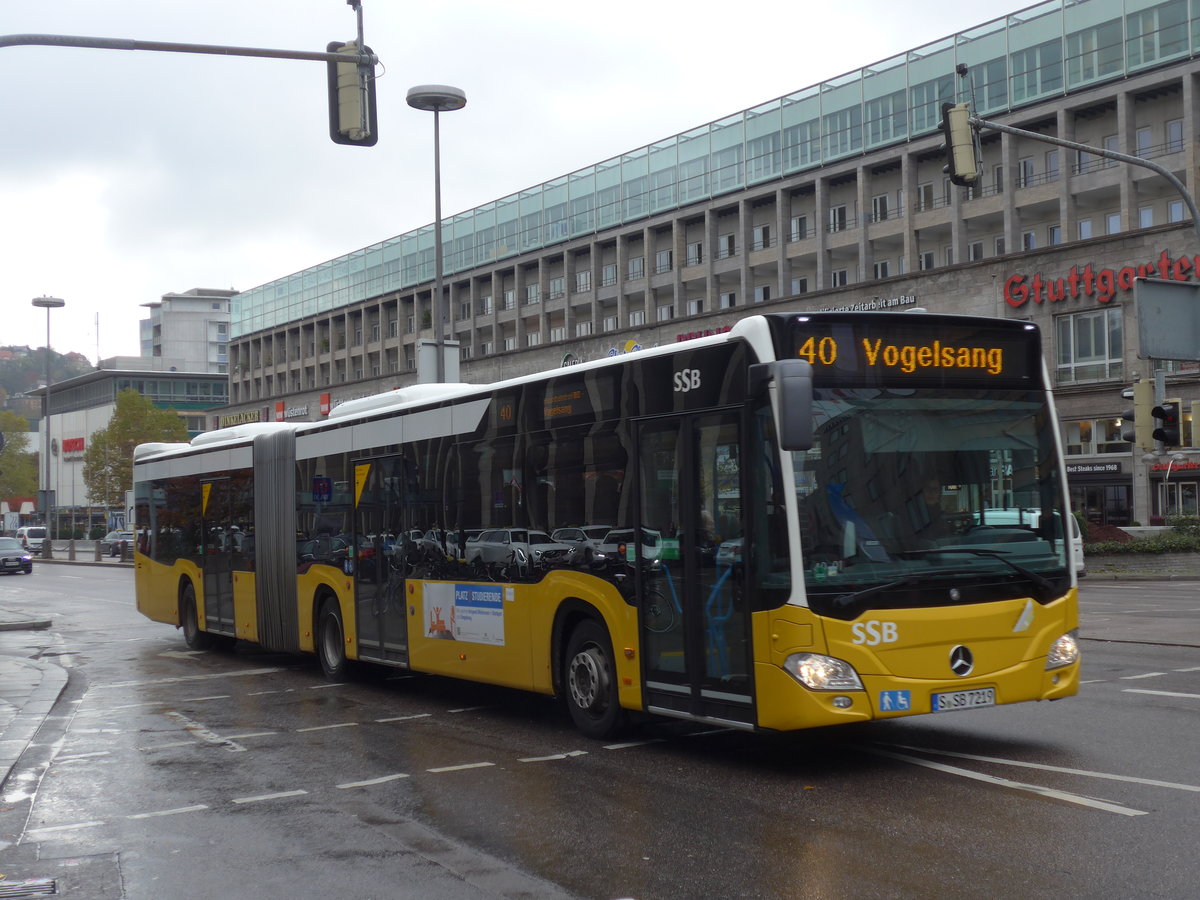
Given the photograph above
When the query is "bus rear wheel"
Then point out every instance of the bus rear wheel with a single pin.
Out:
(331, 641)
(590, 678)
(190, 620)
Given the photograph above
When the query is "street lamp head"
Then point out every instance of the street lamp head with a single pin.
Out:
(436, 97)
(48, 302)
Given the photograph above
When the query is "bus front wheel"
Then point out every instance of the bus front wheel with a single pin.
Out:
(331, 641)
(591, 682)
(188, 618)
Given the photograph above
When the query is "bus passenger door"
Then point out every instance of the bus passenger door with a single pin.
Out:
(693, 614)
(218, 555)
(379, 572)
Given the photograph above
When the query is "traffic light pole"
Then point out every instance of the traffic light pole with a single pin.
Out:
(1179, 186)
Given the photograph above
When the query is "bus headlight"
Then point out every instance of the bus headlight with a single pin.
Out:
(822, 673)
(1063, 652)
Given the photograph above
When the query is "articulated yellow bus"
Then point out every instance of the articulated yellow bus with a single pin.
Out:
(809, 520)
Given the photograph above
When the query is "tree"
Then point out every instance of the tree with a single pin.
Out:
(18, 466)
(108, 460)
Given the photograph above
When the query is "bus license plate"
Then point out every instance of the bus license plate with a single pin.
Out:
(953, 700)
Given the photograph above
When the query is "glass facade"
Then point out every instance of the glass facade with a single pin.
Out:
(1026, 57)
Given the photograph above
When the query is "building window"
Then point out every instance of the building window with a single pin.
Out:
(762, 293)
(533, 338)
(1087, 437)
(1051, 165)
(583, 329)
(1112, 143)
(883, 268)
(695, 307)
(510, 299)
(464, 351)
(610, 323)
(666, 313)
(1112, 223)
(879, 208)
(637, 317)
(558, 333)
(695, 253)
(1175, 211)
(726, 246)
(1089, 346)
(557, 288)
(799, 285)
(1028, 240)
(583, 281)
(486, 348)
(663, 261)
(761, 237)
(1145, 216)
(926, 259)
(998, 179)
(924, 196)
(727, 300)
(975, 251)
(1142, 139)
(464, 312)
(799, 228)
(509, 343)
(608, 275)
(1025, 175)
(1086, 162)
(1174, 135)
(837, 218)
(410, 325)
(839, 278)
(1054, 235)
(999, 246)
(533, 294)
(1085, 229)
(485, 306)
(635, 268)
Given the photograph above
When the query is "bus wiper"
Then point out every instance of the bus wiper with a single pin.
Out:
(1041, 581)
(850, 602)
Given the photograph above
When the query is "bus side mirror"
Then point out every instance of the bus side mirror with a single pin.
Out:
(792, 400)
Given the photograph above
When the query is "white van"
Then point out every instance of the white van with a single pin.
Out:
(1030, 517)
(31, 537)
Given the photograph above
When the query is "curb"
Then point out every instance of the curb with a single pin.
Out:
(33, 712)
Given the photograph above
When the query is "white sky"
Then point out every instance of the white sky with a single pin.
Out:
(127, 175)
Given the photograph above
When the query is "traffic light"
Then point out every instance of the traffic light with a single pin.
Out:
(961, 164)
(1136, 427)
(352, 117)
(1166, 418)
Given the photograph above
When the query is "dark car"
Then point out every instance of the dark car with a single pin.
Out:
(115, 543)
(14, 557)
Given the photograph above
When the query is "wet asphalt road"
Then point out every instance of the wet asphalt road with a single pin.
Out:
(168, 773)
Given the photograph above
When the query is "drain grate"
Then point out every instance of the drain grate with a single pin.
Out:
(39, 887)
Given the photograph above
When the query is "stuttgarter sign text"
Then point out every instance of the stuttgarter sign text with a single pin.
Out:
(1091, 281)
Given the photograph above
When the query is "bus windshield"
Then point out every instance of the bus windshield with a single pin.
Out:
(930, 496)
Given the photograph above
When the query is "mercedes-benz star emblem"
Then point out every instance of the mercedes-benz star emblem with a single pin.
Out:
(961, 661)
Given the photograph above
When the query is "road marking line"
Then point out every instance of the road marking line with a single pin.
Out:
(261, 797)
(1189, 669)
(370, 782)
(406, 718)
(1014, 785)
(76, 757)
(321, 687)
(203, 733)
(185, 678)
(168, 812)
(263, 693)
(199, 699)
(567, 755)
(628, 744)
(466, 709)
(1144, 675)
(479, 765)
(1048, 768)
(168, 746)
(1162, 693)
(49, 829)
(327, 727)
(1094, 681)
(250, 734)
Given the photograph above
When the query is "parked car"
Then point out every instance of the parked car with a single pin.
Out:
(31, 537)
(584, 549)
(497, 545)
(618, 538)
(1029, 518)
(115, 542)
(13, 557)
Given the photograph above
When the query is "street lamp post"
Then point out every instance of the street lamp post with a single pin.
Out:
(47, 303)
(437, 98)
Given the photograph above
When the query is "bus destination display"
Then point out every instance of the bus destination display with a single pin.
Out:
(878, 350)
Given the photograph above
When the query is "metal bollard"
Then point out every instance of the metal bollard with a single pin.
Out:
(71, 549)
